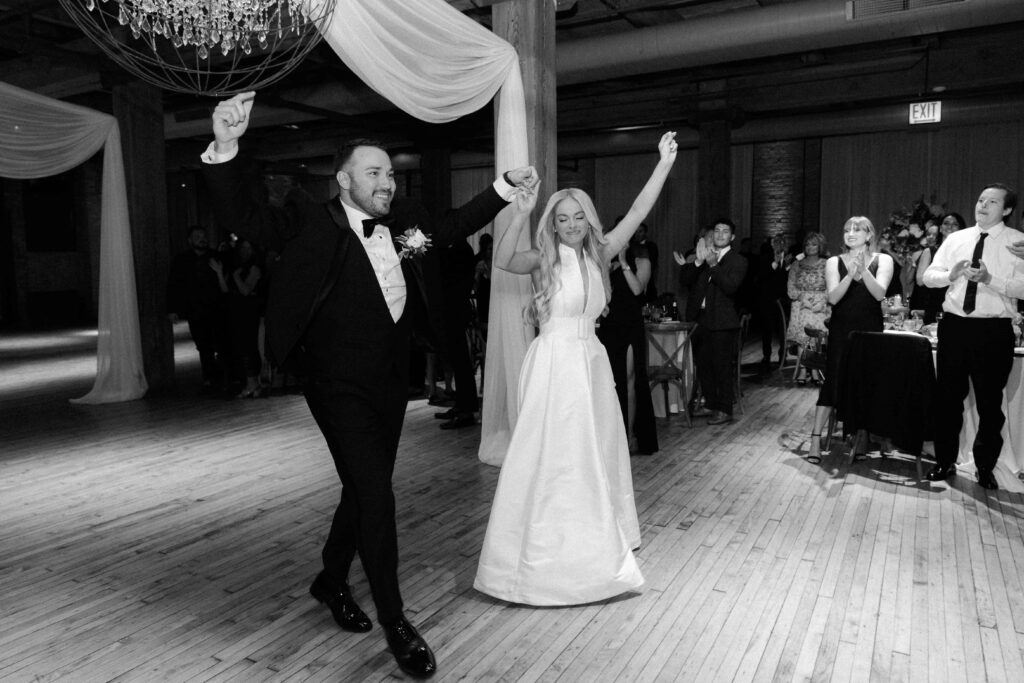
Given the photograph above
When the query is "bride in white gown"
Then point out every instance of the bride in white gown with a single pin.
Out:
(563, 523)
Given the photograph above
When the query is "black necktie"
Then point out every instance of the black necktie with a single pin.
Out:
(370, 223)
(972, 287)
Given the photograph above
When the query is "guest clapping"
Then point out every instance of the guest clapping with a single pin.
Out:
(807, 290)
(856, 282)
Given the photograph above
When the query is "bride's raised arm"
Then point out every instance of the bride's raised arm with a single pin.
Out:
(505, 255)
(644, 202)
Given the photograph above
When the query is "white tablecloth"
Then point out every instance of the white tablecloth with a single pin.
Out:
(1011, 458)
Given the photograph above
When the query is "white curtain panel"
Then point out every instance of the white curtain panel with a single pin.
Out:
(40, 137)
(436, 64)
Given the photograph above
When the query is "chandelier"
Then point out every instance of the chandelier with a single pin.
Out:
(204, 47)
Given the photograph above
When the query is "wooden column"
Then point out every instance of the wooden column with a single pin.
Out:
(530, 27)
(714, 161)
(436, 170)
(714, 170)
(139, 112)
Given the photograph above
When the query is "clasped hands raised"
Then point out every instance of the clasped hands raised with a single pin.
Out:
(963, 267)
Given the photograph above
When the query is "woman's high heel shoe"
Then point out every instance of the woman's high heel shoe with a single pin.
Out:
(814, 450)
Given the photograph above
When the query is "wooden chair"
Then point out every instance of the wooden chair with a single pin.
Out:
(784, 336)
(811, 355)
(670, 370)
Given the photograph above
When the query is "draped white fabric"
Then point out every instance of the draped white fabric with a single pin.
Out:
(40, 137)
(436, 64)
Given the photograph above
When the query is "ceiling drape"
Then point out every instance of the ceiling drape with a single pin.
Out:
(436, 64)
(40, 137)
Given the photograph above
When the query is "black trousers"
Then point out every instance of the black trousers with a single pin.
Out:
(457, 355)
(617, 341)
(362, 428)
(979, 350)
(204, 330)
(715, 354)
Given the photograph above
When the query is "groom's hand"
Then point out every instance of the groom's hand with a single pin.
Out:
(230, 121)
(525, 177)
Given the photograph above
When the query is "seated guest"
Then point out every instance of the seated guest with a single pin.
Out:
(855, 282)
(714, 279)
(806, 288)
(983, 280)
(929, 299)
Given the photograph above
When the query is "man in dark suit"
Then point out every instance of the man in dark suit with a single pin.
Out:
(714, 279)
(348, 293)
(193, 294)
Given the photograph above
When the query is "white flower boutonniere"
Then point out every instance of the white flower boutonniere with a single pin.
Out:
(414, 243)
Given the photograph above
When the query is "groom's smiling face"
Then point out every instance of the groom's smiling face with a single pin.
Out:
(367, 181)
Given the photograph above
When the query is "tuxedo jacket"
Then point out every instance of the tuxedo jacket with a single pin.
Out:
(324, 295)
(717, 287)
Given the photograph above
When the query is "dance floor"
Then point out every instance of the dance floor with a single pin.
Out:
(174, 539)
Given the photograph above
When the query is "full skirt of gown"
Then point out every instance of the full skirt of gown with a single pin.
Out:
(563, 523)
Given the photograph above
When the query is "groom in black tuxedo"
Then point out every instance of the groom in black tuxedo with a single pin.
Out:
(355, 281)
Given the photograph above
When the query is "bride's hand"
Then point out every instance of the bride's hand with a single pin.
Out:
(526, 199)
(668, 146)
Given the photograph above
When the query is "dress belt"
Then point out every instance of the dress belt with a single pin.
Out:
(581, 328)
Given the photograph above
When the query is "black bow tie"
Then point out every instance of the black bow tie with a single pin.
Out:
(369, 224)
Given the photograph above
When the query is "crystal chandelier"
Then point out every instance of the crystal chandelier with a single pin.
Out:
(204, 47)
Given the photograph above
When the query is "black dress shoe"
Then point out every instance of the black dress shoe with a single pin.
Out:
(446, 415)
(700, 411)
(987, 480)
(410, 650)
(339, 599)
(719, 418)
(938, 473)
(459, 421)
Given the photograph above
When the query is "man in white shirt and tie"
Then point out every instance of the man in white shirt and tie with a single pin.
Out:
(976, 335)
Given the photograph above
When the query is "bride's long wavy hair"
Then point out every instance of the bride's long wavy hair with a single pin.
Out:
(547, 242)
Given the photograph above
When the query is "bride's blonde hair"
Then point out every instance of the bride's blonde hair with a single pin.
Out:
(546, 241)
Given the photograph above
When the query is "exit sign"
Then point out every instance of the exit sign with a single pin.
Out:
(925, 112)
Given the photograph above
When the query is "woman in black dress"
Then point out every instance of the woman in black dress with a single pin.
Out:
(856, 282)
(622, 329)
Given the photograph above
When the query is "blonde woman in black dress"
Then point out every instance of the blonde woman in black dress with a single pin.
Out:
(856, 281)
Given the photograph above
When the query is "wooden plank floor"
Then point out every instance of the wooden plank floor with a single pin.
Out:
(174, 539)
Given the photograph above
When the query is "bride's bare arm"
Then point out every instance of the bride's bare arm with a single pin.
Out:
(505, 255)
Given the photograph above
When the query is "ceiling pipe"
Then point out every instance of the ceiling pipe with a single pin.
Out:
(763, 32)
(867, 120)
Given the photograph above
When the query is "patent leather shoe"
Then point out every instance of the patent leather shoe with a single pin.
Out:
(339, 600)
(938, 473)
(987, 480)
(446, 415)
(459, 421)
(700, 411)
(412, 653)
(719, 418)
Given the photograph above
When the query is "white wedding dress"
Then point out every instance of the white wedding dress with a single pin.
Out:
(563, 522)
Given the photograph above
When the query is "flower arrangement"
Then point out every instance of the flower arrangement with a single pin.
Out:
(414, 243)
(911, 229)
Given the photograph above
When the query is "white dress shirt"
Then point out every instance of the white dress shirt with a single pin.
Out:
(386, 265)
(997, 299)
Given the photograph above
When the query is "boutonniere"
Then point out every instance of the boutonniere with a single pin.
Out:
(413, 242)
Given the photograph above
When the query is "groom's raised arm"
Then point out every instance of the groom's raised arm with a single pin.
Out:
(234, 186)
(481, 209)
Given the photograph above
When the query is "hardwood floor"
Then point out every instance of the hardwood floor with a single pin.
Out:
(174, 539)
